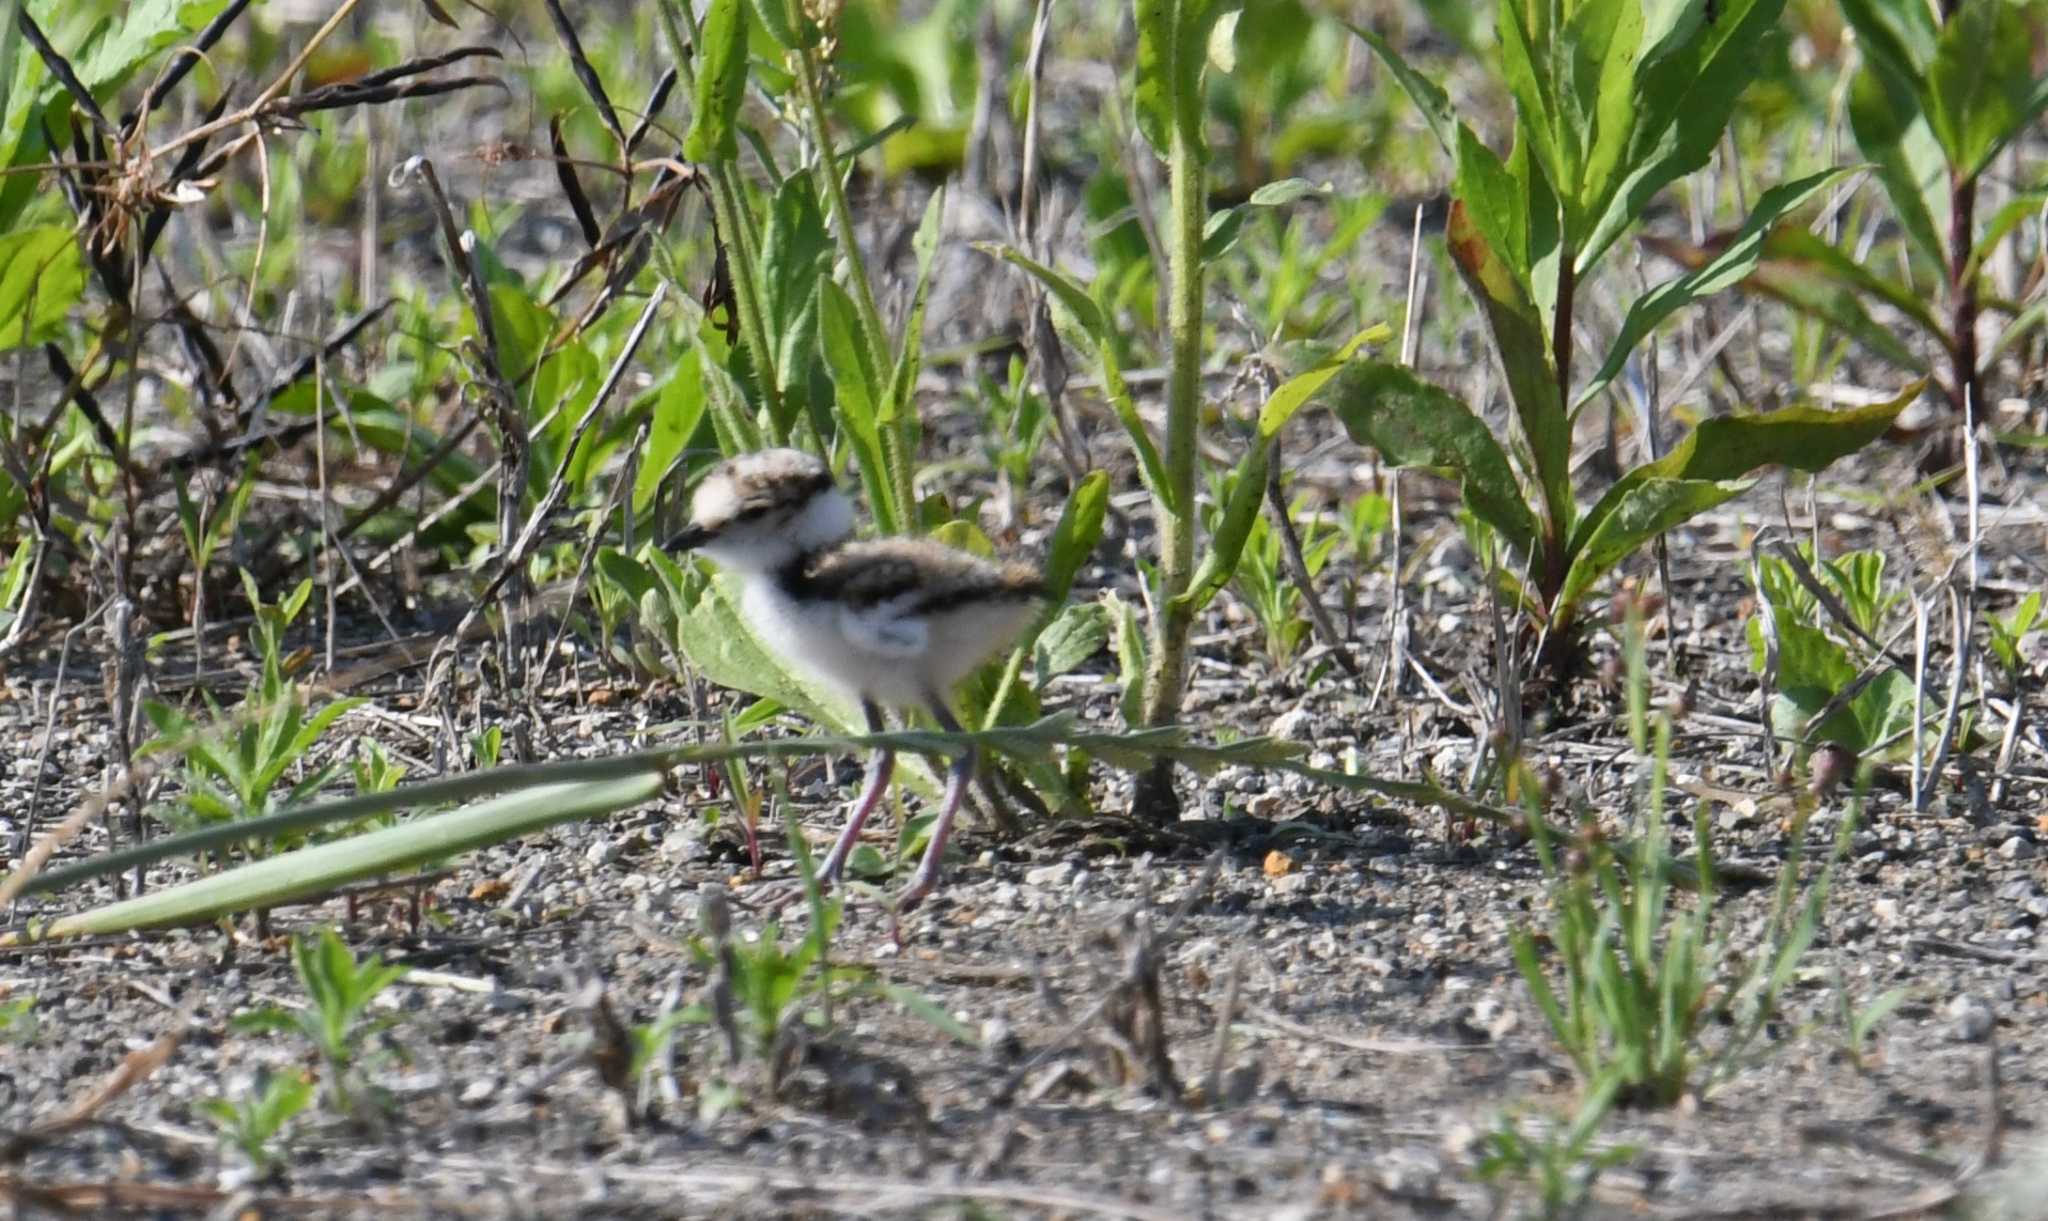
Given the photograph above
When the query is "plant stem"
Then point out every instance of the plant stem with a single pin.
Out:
(899, 444)
(1962, 290)
(1166, 680)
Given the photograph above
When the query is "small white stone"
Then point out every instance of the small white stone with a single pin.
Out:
(1886, 910)
(1290, 726)
(1059, 874)
(2016, 849)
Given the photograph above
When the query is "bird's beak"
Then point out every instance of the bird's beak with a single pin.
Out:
(689, 538)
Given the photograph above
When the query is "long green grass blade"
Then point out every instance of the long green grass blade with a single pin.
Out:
(312, 871)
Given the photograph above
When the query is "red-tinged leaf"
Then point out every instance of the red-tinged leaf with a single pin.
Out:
(1518, 336)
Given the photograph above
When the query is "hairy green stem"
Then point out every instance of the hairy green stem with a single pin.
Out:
(898, 442)
(1166, 680)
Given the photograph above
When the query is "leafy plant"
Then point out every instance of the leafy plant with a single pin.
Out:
(2007, 631)
(1613, 103)
(1561, 1162)
(340, 988)
(1265, 586)
(235, 774)
(1642, 989)
(1942, 91)
(18, 1019)
(1830, 686)
(252, 1124)
(1859, 1024)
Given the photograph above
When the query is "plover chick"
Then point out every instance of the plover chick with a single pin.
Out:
(892, 622)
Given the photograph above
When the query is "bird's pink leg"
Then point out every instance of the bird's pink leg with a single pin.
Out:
(926, 878)
(870, 797)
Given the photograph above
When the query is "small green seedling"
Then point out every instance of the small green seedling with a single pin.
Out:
(336, 1022)
(1561, 1163)
(18, 1020)
(237, 773)
(2008, 631)
(253, 1124)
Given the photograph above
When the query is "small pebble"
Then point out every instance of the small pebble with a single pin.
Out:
(2016, 849)
(1059, 873)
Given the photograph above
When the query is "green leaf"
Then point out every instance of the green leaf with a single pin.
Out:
(1648, 508)
(1685, 91)
(721, 83)
(1981, 89)
(1075, 635)
(1736, 261)
(146, 27)
(1803, 438)
(1220, 232)
(1806, 273)
(1519, 338)
(719, 642)
(1075, 537)
(1894, 134)
(311, 871)
(1173, 53)
(1731, 447)
(1064, 289)
(1495, 201)
(41, 278)
(677, 411)
(1428, 96)
(1413, 423)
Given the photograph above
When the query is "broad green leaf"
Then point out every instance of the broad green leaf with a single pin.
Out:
(312, 871)
(1495, 200)
(721, 83)
(145, 27)
(1797, 269)
(1413, 423)
(1603, 39)
(1736, 261)
(1519, 338)
(1648, 508)
(1894, 134)
(1731, 447)
(857, 398)
(1428, 96)
(796, 258)
(718, 641)
(1248, 487)
(1895, 38)
(677, 411)
(1684, 95)
(41, 278)
(1541, 128)
(1803, 438)
(1981, 89)
(1076, 634)
(1173, 53)
(1296, 391)
(1075, 538)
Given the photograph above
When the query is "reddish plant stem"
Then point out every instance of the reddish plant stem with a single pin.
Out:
(1962, 292)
